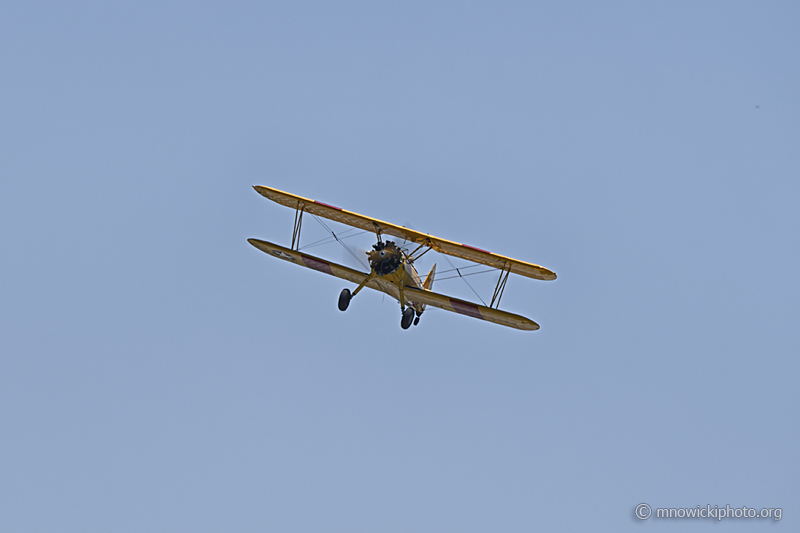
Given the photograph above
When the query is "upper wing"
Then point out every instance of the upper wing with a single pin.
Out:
(412, 294)
(444, 246)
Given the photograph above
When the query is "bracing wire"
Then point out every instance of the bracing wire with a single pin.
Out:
(462, 277)
(360, 261)
(465, 275)
(341, 237)
(462, 269)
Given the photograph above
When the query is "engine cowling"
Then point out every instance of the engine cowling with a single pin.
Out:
(385, 258)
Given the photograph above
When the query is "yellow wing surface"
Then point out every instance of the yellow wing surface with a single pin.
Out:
(412, 294)
(443, 246)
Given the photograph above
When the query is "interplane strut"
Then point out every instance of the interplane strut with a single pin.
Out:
(298, 223)
(500, 287)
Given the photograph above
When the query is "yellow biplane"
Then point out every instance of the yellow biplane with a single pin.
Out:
(392, 269)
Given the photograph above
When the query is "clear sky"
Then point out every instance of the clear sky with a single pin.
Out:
(157, 373)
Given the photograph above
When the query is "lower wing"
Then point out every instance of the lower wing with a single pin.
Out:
(413, 294)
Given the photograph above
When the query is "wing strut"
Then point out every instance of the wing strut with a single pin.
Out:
(411, 257)
(298, 223)
(500, 287)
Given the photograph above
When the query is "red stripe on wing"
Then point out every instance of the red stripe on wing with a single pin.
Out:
(317, 264)
(328, 205)
(466, 308)
(477, 249)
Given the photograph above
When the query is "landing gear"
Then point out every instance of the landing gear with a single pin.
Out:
(416, 321)
(344, 299)
(408, 317)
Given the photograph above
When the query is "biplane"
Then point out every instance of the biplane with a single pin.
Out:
(392, 269)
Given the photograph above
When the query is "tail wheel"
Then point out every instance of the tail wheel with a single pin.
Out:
(408, 318)
(344, 299)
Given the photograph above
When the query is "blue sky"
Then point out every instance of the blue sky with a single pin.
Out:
(159, 373)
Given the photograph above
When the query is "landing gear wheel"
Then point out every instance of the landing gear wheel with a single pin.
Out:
(344, 299)
(416, 321)
(408, 317)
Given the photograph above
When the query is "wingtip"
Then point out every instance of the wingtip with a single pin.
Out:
(547, 274)
(530, 325)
